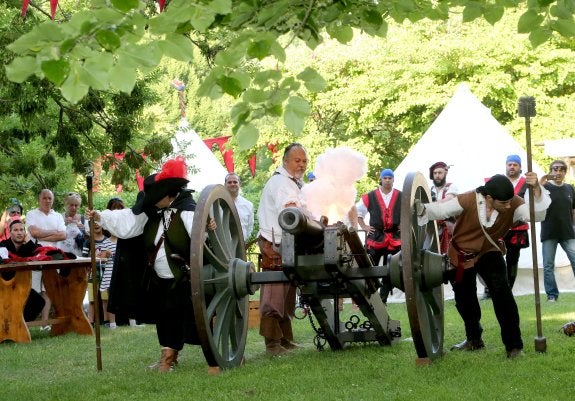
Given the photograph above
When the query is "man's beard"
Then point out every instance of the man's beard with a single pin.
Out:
(439, 183)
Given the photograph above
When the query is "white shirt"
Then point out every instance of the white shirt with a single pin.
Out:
(362, 208)
(123, 223)
(441, 193)
(51, 221)
(279, 191)
(246, 213)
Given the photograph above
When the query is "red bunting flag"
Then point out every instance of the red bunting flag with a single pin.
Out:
(53, 5)
(25, 7)
(161, 3)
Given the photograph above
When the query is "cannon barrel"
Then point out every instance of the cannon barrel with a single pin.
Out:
(294, 221)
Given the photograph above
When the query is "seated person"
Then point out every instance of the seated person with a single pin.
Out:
(18, 246)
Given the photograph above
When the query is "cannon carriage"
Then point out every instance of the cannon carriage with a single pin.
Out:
(326, 263)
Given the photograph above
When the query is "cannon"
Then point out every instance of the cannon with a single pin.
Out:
(326, 263)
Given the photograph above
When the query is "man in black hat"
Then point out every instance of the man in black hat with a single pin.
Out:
(484, 216)
(164, 217)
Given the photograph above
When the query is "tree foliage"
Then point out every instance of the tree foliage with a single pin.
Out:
(105, 47)
(44, 136)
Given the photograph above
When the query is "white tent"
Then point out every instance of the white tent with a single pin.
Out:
(469, 139)
(203, 167)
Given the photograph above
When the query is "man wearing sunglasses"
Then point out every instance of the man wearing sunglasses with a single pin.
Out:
(558, 226)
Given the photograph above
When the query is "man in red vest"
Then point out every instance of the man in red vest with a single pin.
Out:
(517, 237)
(384, 207)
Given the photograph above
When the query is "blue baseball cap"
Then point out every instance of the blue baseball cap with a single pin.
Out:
(386, 173)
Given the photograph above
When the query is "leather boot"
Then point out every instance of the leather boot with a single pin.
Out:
(272, 333)
(274, 347)
(168, 360)
(287, 335)
(469, 345)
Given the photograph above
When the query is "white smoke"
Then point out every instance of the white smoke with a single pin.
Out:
(333, 192)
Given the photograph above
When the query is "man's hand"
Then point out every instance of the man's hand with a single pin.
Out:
(419, 207)
(533, 182)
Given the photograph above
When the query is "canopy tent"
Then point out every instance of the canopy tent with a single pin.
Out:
(469, 139)
(203, 166)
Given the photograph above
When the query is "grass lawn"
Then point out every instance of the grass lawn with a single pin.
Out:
(64, 368)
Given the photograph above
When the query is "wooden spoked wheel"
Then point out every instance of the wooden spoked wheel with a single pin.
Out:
(424, 302)
(219, 279)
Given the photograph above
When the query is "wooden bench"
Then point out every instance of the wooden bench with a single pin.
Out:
(65, 282)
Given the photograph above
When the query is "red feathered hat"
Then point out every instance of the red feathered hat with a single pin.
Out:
(171, 179)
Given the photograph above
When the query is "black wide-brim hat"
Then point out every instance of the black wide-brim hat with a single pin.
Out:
(170, 180)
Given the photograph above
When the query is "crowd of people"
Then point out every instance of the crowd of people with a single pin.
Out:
(482, 232)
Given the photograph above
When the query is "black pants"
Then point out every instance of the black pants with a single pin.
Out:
(376, 255)
(512, 261)
(491, 267)
(174, 313)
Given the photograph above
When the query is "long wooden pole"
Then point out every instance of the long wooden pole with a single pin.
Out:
(95, 284)
(526, 109)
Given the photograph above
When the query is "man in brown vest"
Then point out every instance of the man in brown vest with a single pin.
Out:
(483, 217)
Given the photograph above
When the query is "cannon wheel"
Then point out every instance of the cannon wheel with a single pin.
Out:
(221, 315)
(424, 305)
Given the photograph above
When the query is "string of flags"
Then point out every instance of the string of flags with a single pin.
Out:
(54, 6)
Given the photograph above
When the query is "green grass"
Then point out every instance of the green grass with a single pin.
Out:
(64, 368)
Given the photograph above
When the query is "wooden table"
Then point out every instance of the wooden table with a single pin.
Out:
(65, 282)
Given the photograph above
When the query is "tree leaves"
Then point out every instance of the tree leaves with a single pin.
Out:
(295, 114)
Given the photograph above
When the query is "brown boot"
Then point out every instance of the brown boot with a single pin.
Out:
(167, 362)
(274, 348)
(287, 335)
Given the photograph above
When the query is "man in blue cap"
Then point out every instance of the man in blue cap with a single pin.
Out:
(384, 207)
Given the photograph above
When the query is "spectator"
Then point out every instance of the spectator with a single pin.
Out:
(383, 236)
(557, 228)
(45, 227)
(12, 213)
(105, 249)
(18, 245)
(75, 228)
(245, 207)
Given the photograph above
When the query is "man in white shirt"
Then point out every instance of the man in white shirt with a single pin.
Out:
(46, 227)
(245, 207)
(277, 301)
(441, 191)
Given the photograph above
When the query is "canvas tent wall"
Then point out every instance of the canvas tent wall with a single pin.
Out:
(203, 166)
(468, 138)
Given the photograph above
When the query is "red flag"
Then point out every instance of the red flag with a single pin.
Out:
(25, 7)
(53, 5)
(252, 164)
(161, 3)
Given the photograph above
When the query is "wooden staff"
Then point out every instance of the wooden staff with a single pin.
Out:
(526, 109)
(95, 284)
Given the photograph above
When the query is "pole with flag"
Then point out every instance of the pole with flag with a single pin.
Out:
(526, 109)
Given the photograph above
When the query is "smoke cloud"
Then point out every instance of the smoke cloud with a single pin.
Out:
(333, 192)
